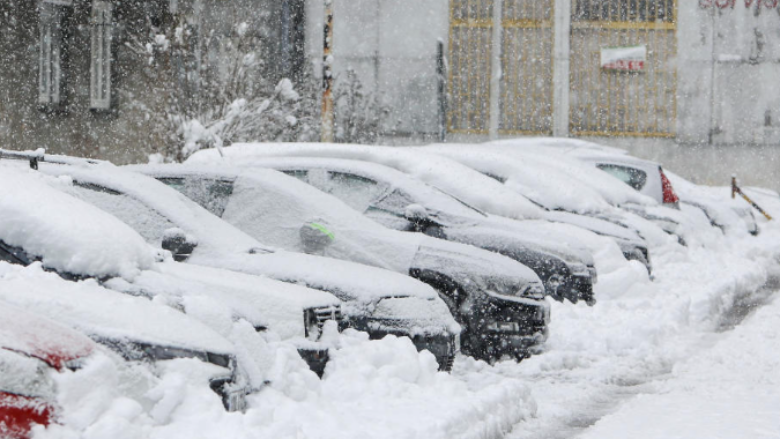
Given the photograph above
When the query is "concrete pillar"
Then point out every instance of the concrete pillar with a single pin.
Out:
(561, 79)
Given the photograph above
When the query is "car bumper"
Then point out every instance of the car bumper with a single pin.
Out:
(508, 329)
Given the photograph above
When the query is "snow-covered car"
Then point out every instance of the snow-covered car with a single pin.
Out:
(404, 203)
(563, 200)
(32, 348)
(295, 216)
(560, 155)
(649, 178)
(397, 201)
(83, 242)
(166, 218)
(135, 328)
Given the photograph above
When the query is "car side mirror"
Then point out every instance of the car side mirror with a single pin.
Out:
(179, 243)
(315, 237)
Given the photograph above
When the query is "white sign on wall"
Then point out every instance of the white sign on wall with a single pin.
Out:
(630, 58)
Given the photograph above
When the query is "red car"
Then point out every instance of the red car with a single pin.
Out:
(32, 348)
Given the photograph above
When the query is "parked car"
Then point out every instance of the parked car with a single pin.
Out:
(558, 156)
(32, 348)
(298, 217)
(563, 201)
(166, 218)
(135, 328)
(83, 242)
(403, 203)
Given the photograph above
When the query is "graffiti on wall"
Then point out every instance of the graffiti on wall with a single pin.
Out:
(731, 4)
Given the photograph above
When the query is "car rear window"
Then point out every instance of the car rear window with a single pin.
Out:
(631, 176)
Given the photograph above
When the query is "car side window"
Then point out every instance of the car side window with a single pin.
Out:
(356, 191)
(210, 193)
(146, 221)
(633, 177)
(300, 174)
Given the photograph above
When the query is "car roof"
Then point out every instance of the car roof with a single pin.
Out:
(39, 337)
(448, 175)
(67, 234)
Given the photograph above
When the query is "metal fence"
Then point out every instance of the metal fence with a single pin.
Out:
(601, 101)
(612, 102)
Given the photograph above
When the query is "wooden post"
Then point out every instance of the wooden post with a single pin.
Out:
(326, 135)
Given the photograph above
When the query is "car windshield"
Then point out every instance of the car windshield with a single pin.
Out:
(210, 193)
(146, 221)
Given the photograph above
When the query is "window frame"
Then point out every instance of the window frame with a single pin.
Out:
(52, 53)
(101, 36)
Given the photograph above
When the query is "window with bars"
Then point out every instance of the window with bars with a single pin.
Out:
(624, 10)
(100, 66)
(50, 55)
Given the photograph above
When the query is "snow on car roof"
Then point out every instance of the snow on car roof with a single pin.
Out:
(445, 174)
(542, 184)
(434, 198)
(68, 234)
(102, 313)
(585, 174)
(39, 337)
(210, 230)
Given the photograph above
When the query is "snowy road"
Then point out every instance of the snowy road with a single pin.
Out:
(631, 345)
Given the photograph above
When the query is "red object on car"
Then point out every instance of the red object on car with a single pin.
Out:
(31, 348)
(670, 197)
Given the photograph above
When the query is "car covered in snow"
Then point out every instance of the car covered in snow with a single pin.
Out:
(563, 200)
(32, 348)
(649, 178)
(560, 155)
(135, 328)
(84, 242)
(404, 203)
(380, 300)
(478, 286)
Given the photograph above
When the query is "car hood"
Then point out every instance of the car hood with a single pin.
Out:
(348, 281)
(104, 314)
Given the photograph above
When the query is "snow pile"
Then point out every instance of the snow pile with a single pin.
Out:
(66, 233)
(377, 389)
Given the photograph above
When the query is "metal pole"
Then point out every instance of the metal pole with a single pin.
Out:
(326, 135)
(495, 71)
(441, 76)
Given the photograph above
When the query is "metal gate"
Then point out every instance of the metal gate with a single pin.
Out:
(526, 83)
(613, 102)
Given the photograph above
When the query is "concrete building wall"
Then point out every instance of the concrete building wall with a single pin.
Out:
(391, 45)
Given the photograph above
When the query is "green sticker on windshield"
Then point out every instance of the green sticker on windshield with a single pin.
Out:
(323, 229)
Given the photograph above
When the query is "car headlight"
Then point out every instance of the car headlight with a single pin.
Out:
(530, 290)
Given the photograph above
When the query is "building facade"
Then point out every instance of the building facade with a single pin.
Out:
(693, 71)
(102, 78)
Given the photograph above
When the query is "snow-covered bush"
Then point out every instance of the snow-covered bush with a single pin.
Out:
(360, 118)
(212, 90)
